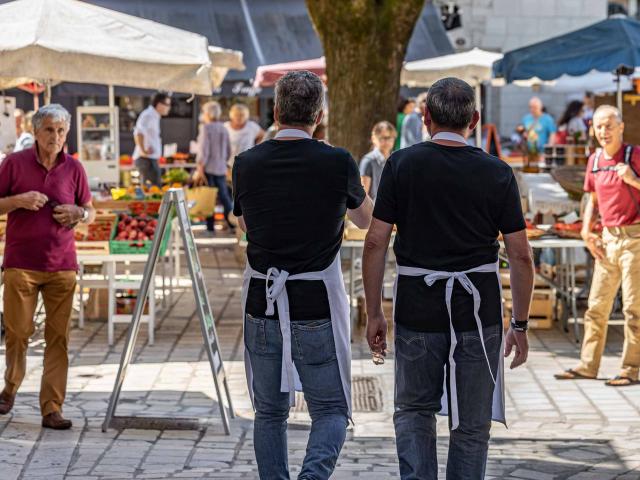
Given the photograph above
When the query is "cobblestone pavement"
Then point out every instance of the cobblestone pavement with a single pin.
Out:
(558, 430)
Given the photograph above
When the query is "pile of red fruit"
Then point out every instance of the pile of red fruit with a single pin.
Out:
(140, 227)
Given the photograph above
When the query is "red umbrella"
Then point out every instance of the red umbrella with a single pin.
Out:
(268, 75)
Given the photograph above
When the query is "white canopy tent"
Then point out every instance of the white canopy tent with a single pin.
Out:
(70, 40)
(474, 67)
(223, 60)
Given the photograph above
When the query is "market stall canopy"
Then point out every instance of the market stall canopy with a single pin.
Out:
(594, 81)
(473, 67)
(603, 46)
(268, 75)
(222, 60)
(70, 40)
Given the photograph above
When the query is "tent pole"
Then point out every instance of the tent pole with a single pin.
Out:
(47, 92)
(479, 109)
(619, 93)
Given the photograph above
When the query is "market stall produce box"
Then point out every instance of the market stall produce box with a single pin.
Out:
(134, 233)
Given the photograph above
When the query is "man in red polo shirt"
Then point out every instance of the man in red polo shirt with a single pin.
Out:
(45, 192)
(614, 191)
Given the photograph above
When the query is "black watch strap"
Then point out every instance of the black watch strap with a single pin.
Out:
(520, 326)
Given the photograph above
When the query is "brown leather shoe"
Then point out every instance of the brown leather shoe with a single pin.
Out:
(56, 421)
(6, 402)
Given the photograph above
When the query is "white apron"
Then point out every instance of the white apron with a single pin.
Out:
(276, 295)
(430, 277)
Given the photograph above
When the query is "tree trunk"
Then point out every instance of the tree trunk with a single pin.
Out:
(365, 42)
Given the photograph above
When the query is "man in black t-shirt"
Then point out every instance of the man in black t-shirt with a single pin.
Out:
(449, 202)
(291, 196)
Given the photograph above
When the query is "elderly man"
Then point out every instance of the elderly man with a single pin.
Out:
(146, 135)
(539, 126)
(449, 202)
(45, 192)
(613, 187)
(291, 196)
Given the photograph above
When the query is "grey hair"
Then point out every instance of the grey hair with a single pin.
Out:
(54, 111)
(299, 97)
(212, 109)
(451, 103)
(610, 109)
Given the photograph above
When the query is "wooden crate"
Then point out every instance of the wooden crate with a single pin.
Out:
(542, 308)
(354, 233)
(92, 248)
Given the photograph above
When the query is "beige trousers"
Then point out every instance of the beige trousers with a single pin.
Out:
(21, 288)
(621, 267)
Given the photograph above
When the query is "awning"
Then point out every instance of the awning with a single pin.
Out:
(69, 40)
(603, 46)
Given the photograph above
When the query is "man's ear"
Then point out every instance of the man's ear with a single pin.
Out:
(276, 113)
(320, 117)
(474, 120)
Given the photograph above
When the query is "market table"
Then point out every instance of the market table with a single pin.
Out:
(111, 283)
(565, 284)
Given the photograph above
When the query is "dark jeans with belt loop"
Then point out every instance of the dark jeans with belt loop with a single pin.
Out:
(421, 363)
(149, 170)
(314, 355)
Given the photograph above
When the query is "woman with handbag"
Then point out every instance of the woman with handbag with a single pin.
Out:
(213, 151)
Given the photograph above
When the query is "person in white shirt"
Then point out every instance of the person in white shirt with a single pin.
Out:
(25, 139)
(243, 133)
(147, 137)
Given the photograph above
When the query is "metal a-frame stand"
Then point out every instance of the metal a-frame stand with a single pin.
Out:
(174, 198)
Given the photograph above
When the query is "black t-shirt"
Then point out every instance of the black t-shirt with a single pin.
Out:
(293, 196)
(449, 204)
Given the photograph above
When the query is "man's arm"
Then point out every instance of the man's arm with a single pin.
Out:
(361, 216)
(366, 183)
(593, 241)
(625, 172)
(521, 273)
(243, 226)
(139, 139)
(373, 262)
(29, 200)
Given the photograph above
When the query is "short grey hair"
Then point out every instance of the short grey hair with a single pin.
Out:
(54, 111)
(451, 103)
(608, 109)
(212, 109)
(299, 97)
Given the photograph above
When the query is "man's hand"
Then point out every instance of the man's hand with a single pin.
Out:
(31, 200)
(148, 151)
(594, 245)
(377, 334)
(67, 215)
(625, 173)
(520, 341)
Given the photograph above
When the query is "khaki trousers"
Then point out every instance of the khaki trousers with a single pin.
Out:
(21, 288)
(620, 267)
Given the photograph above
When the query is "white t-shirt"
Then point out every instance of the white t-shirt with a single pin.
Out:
(148, 124)
(243, 139)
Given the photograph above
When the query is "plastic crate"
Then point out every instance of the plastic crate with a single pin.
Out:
(138, 246)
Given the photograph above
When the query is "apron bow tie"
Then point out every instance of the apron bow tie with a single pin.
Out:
(275, 290)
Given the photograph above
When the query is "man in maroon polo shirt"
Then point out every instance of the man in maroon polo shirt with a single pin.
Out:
(45, 192)
(613, 187)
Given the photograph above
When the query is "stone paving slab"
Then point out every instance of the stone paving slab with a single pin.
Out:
(575, 430)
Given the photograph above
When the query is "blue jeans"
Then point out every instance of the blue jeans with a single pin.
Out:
(314, 355)
(149, 170)
(421, 360)
(220, 182)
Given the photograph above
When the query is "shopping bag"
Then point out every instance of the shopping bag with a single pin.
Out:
(204, 201)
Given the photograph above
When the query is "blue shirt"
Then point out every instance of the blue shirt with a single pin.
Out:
(544, 126)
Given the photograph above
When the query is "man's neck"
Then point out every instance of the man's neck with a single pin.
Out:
(47, 160)
(611, 150)
(308, 129)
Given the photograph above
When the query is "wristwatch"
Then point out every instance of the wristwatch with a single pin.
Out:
(519, 326)
(85, 215)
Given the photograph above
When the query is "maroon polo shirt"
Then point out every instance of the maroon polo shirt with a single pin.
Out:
(34, 240)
